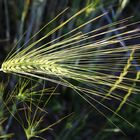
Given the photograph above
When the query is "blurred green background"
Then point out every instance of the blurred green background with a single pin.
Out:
(18, 16)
